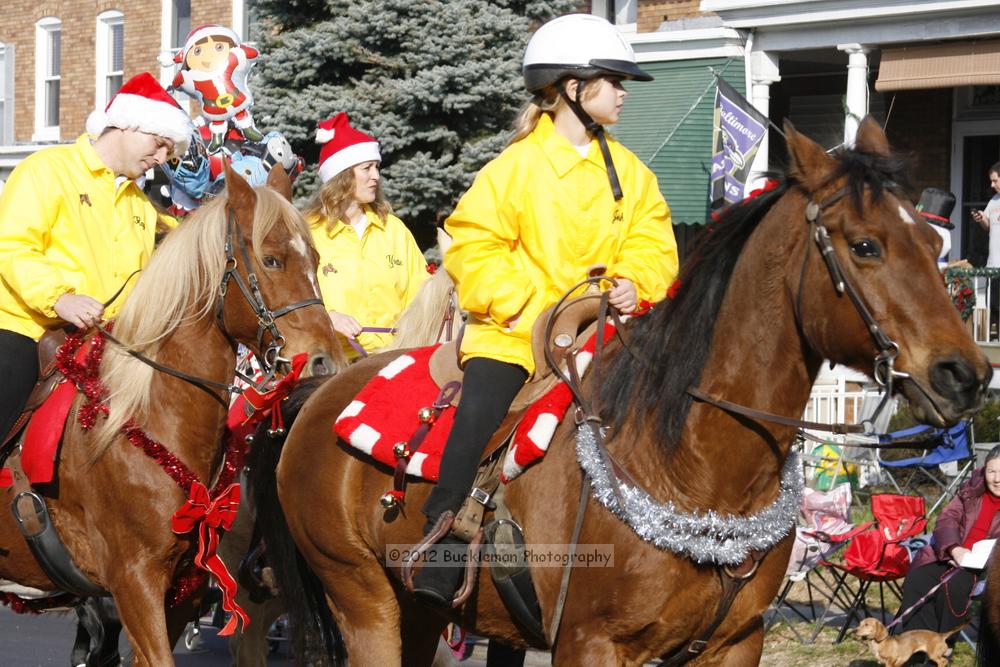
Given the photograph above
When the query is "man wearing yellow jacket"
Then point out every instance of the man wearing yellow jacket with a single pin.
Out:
(370, 265)
(74, 225)
(562, 197)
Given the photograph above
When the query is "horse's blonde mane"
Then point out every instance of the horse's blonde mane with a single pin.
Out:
(420, 323)
(178, 286)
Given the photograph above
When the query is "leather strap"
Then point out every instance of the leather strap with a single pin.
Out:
(733, 580)
(557, 611)
(443, 401)
(762, 415)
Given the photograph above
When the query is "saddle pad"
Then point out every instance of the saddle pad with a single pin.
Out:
(44, 432)
(385, 412)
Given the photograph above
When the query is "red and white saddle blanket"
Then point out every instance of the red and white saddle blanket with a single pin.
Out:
(385, 412)
(44, 431)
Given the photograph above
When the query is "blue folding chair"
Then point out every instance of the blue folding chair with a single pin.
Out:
(943, 446)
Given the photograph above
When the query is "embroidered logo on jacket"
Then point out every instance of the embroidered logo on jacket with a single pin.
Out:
(85, 199)
(393, 261)
(139, 222)
(618, 217)
(328, 269)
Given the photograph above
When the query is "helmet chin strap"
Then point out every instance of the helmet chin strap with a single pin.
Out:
(598, 131)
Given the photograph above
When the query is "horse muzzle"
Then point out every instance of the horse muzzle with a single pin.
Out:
(956, 390)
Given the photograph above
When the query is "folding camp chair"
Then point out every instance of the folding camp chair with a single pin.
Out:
(876, 556)
(944, 446)
(825, 528)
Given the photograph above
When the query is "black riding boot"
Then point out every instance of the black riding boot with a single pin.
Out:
(442, 566)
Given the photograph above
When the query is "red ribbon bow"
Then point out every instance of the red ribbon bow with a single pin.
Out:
(212, 517)
(259, 405)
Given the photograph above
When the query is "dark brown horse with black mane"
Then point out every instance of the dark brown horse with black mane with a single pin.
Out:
(758, 309)
(241, 269)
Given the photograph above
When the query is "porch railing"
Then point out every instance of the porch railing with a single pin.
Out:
(976, 294)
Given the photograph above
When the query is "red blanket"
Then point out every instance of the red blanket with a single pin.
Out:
(44, 432)
(385, 412)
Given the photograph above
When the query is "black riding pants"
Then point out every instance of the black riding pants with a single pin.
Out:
(18, 374)
(488, 389)
(946, 608)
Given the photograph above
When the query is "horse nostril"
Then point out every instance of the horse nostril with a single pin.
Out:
(320, 364)
(954, 378)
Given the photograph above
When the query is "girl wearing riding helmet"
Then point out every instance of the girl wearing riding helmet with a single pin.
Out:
(370, 266)
(562, 197)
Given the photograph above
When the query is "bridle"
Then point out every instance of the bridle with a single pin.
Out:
(266, 322)
(887, 349)
(266, 318)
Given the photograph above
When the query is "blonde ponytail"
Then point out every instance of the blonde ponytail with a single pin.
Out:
(546, 100)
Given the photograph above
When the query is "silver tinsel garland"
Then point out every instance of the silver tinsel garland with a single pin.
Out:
(703, 537)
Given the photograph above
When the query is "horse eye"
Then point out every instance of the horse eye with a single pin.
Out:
(271, 262)
(865, 248)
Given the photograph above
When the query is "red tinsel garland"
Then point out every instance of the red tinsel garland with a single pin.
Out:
(21, 605)
(86, 377)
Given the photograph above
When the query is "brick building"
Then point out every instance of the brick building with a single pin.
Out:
(60, 59)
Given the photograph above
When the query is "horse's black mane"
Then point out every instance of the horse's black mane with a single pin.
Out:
(674, 340)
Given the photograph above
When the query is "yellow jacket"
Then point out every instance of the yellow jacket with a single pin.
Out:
(534, 220)
(66, 227)
(372, 278)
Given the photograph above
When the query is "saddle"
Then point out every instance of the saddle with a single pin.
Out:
(48, 377)
(572, 325)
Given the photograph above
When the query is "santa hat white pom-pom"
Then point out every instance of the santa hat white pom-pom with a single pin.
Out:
(96, 122)
(323, 136)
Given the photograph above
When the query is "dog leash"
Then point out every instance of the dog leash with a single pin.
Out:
(909, 610)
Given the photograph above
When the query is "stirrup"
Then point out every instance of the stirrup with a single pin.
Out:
(442, 528)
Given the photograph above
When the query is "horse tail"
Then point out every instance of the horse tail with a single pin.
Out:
(313, 633)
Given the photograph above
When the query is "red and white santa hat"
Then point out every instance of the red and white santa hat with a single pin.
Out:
(200, 33)
(343, 146)
(142, 104)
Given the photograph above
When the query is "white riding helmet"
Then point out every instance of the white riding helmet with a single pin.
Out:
(582, 46)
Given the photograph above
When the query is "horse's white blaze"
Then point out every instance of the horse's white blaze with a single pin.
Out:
(299, 247)
(905, 216)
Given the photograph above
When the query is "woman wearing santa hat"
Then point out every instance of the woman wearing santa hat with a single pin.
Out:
(75, 225)
(370, 266)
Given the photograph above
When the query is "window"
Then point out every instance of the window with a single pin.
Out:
(619, 12)
(48, 33)
(110, 57)
(180, 22)
(6, 93)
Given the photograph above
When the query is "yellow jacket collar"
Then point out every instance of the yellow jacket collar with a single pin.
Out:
(373, 219)
(90, 156)
(558, 149)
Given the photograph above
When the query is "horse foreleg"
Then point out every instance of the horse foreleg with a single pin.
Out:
(142, 612)
(250, 648)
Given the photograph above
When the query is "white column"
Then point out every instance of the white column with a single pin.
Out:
(763, 72)
(857, 89)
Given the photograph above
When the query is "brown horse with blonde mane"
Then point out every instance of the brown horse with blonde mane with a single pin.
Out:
(240, 269)
(756, 313)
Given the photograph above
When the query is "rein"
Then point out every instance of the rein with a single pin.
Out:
(357, 346)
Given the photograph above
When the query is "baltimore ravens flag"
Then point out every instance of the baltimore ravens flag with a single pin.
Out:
(738, 129)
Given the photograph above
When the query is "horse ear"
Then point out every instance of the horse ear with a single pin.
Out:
(810, 163)
(277, 180)
(241, 196)
(871, 138)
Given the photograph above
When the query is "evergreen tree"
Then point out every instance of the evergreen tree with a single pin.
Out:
(436, 81)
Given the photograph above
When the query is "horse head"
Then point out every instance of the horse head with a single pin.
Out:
(870, 296)
(270, 298)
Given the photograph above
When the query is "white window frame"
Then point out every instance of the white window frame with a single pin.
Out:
(7, 94)
(43, 34)
(106, 21)
(622, 13)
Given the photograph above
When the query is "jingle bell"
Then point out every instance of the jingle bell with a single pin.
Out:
(426, 415)
(388, 501)
(248, 439)
(401, 451)
(275, 432)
